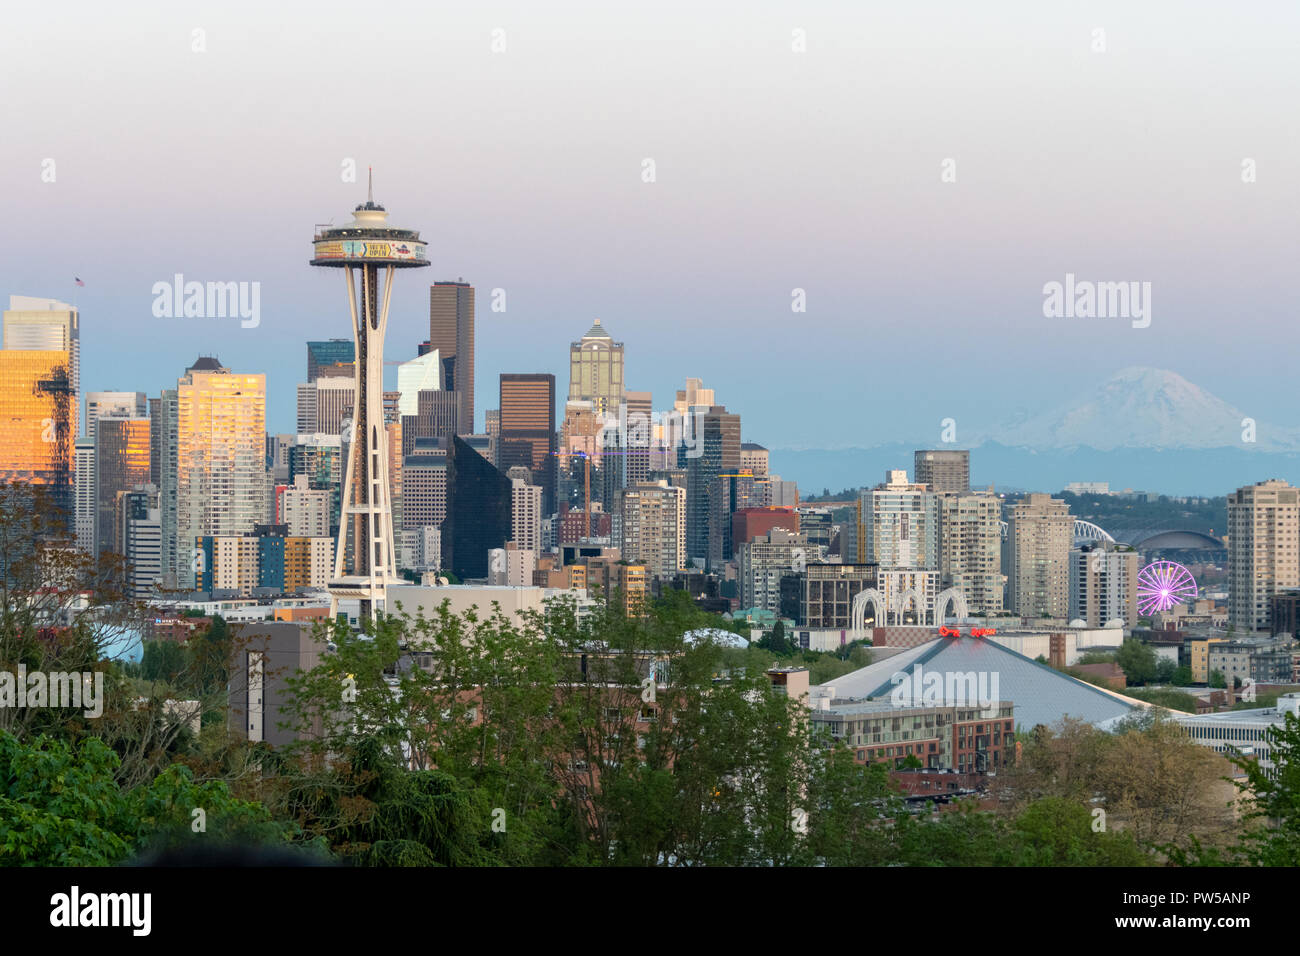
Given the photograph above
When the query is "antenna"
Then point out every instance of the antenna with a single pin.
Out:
(370, 192)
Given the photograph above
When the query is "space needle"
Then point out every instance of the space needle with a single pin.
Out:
(364, 561)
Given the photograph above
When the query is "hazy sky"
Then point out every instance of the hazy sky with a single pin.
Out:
(775, 170)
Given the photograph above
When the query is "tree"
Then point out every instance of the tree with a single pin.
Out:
(1182, 677)
(1217, 680)
(1273, 798)
(1137, 660)
(776, 640)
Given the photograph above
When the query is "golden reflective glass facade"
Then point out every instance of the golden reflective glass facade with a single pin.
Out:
(122, 461)
(38, 419)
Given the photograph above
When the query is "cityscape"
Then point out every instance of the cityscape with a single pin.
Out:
(381, 574)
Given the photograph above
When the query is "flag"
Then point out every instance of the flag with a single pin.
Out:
(80, 283)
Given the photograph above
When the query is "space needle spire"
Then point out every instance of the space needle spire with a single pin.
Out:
(369, 250)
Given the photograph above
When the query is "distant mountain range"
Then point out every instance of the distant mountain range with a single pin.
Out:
(1143, 428)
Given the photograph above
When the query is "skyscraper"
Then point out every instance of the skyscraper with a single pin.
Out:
(478, 511)
(38, 419)
(327, 353)
(526, 430)
(113, 404)
(715, 451)
(945, 471)
(421, 374)
(1040, 532)
(220, 463)
(451, 333)
(596, 370)
(639, 435)
(84, 495)
(33, 324)
(121, 465)
(1263, 551)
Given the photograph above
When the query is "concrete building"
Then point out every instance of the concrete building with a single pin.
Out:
(260, 699)
(305, 510)
(944, 472)
(1103, 584)
(754, 459)
(1264, 660)
(828, 592)
(526, 516)
(763, 562)
(1244, 732)
(652, 530)
(1263, 551)
(84, 510)
(970, 548)
(511, 566)
(1040, 533)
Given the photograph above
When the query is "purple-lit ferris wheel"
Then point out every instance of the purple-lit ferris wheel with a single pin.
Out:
(1162, 585)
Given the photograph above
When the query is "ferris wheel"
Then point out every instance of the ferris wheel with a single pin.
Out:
(1162, 585)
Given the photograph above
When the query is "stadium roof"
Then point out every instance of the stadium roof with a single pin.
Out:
(1041, 695)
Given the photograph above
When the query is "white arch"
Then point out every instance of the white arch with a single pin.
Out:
(959, 608)
(1087, 531)
(900, 606)
(859, 617)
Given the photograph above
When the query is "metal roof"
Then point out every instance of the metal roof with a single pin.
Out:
(1041, 695)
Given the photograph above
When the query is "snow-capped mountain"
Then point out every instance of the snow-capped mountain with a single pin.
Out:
(1147, 408)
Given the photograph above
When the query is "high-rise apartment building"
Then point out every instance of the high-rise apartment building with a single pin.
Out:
(305, 511)
(652, 529)
(121, 466)
(526, 430)
(596, 371)
(526, 515)
(1103, 585)
(424, 486)
(944, 471)
(451, 333)
(335, 396)
(970, 548)
(1040, 533)
(1263, 551)
(220, 471)
(898, 524)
